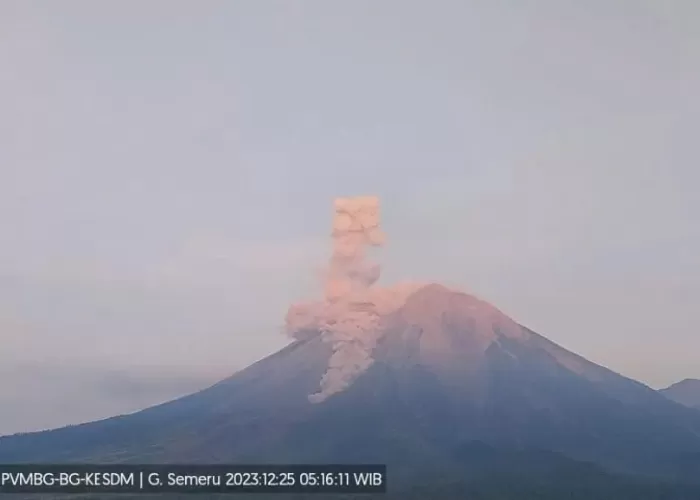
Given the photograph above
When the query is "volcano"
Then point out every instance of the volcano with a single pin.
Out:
(454, 387)
(439, 385)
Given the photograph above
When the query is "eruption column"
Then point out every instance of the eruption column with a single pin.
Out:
(350, 317)
(355, 227)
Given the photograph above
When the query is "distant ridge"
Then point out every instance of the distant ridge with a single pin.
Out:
(685, 392)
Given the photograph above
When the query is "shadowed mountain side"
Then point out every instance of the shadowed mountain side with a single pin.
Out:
(252, 397)
(454, 388)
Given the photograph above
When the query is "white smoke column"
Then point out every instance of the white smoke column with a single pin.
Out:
(355, 227)
(350, 317)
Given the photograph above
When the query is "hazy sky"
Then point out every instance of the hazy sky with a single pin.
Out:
(167, 170)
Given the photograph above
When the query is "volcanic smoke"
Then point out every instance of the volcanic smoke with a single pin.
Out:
(355, 227)
(350, 316)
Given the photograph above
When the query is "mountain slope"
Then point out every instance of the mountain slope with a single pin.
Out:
(453, 382)
(686, 392)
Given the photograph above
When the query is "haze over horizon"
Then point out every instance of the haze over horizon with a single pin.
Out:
(167, 173)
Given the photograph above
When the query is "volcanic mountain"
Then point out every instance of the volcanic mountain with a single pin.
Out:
(454, 387)
(685, 392)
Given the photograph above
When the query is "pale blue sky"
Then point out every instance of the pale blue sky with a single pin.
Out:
(167, 170)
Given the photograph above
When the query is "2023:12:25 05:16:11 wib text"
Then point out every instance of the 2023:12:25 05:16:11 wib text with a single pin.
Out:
(192, 478)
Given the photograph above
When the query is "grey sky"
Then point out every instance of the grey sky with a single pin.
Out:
(167, 170)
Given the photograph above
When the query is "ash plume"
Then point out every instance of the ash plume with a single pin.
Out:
(355, 227)
(350, 315)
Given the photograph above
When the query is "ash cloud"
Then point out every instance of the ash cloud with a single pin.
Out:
(350, 316)
(355, 227)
